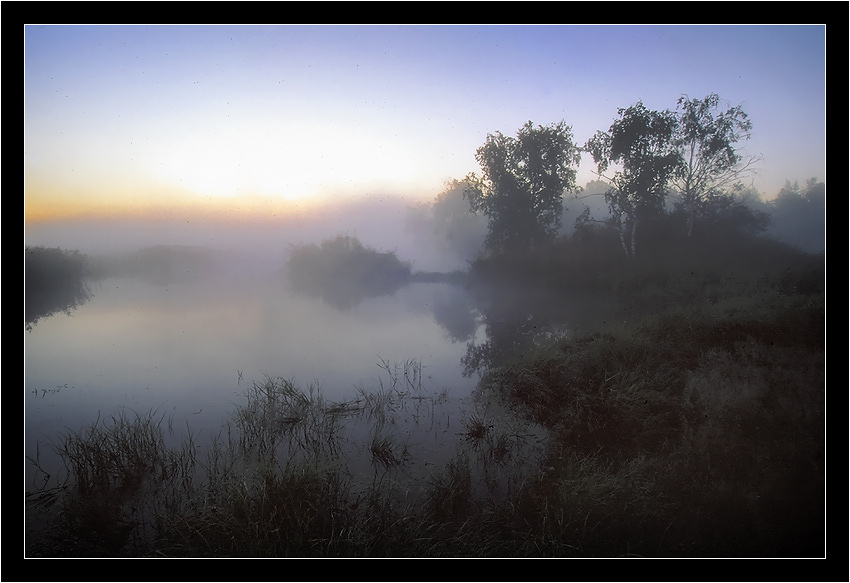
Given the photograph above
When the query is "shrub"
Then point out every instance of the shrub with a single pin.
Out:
(343, 272)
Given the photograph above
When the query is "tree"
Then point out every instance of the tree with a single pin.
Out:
(343, 272)
(706, 141)
(524, 179)
(641, 141)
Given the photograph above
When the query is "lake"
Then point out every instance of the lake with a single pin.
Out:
(189, 349)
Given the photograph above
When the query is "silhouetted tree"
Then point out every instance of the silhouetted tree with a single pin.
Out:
(524, 179)
(706, 140)
(641, 142)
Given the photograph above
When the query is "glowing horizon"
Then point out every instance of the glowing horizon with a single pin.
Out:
(249, 120)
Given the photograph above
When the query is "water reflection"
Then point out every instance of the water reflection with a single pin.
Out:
(514, 318)
(55, 281)
(456, 312)
(190, 347)
(179, 334)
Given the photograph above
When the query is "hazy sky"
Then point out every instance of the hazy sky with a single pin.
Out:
(128, 120)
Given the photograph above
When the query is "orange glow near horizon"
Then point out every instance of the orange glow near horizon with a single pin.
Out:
(40, 210)
(230, 173)
(45, 202)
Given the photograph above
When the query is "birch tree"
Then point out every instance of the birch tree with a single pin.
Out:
(641, 142)
(706, 141)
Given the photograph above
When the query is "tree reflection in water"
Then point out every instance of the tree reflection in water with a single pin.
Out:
(55, 281)
(514, 318)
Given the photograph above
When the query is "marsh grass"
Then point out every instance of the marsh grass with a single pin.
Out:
(691, 432)
(101, 501)
(290, 474)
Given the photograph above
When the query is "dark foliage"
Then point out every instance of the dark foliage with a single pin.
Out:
(344, 272)
(54, 281)
(523, 182)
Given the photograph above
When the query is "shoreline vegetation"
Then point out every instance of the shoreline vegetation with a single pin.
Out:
(680, 414)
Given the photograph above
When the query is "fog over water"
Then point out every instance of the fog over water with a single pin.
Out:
(186, 337)
(188, 342)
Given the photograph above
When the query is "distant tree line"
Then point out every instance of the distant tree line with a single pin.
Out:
(682, 170)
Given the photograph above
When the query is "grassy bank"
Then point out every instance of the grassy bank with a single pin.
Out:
(686, 404)
(683, 434)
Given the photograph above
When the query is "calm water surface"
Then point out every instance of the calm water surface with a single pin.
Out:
(190, 349)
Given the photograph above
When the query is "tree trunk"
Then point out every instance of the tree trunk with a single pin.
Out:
(622, 230)
(690, 225)
(634, 237)
(628, 235)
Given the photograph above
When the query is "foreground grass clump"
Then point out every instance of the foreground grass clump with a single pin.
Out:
(118, 476)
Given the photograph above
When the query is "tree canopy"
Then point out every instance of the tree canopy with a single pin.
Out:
(693, 151)
(706, 140)
(524, 179)
(641, 143)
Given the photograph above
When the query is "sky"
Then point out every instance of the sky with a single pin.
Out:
(256, 121)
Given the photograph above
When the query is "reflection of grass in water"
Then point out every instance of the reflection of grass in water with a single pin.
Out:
(291, 474)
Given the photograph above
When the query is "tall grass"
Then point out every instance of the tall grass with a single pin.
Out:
(694, 432)
(290, 474)
(684, 434)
